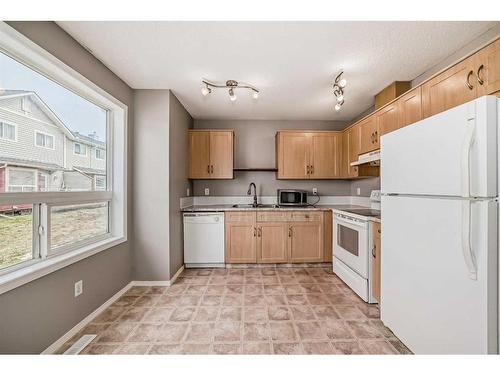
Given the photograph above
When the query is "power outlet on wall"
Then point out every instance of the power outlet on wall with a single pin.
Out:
(315, 191)
(187, 192)
(78, 288)
(207, 191)
(358, 191)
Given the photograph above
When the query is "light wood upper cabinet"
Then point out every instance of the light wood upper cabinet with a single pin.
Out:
(388, 118)
(370, 135)
(354, 145)
(410, 107)
(487, 69)
(325, 155)
(305, 242)
(452, 87)
(240, 237)
(210, 154)
(376, 257)
(272, 242)
(308, 155)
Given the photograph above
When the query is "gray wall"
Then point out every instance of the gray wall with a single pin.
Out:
(36, 314)
(366, 185)
(151, 183)
(255, 147)
(179, 123)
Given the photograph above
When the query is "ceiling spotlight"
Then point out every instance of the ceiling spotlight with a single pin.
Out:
(338, 90)
(342, 83)
(232, 95)
(205, 91)
(231, 84)
(338, 106)
(340, 98)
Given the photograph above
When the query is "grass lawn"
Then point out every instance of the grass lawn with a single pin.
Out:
(68, 226)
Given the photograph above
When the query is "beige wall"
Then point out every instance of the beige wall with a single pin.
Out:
(151, 185)
(36, 314)
(179, 123)
(255, 147)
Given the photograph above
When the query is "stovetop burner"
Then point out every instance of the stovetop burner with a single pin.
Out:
(364, 212)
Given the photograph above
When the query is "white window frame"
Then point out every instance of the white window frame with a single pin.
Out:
(46, 135)
(17, 46)
(100, 149)
(81, 144)
(9, 169)
(15, 131)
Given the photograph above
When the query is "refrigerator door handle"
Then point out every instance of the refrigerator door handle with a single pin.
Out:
(466, 246)
(465, 162)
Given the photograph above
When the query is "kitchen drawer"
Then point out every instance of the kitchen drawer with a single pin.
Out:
(239, 216)
(305, 216)
(274, 216)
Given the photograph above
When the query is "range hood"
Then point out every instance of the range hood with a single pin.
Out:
(371, 158)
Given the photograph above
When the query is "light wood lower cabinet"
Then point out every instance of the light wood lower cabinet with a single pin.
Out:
(376, 256)
(277, 237)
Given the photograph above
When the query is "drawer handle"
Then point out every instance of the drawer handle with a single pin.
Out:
(373, 252)
(254, 232)
(479, 79)
(468, 80)
(290, 232)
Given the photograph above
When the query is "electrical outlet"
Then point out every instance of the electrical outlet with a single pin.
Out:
(358, 191)
(187, 192)
(78, 288)
(207, 191)
(315, 191)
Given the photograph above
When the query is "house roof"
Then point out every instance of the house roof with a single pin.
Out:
(90, 171)
(74, 136)
(31, 163)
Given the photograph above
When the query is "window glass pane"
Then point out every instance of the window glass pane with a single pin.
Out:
(75, 223)
(21, 180)
(16, 234)
(58, 119)
(348, 239)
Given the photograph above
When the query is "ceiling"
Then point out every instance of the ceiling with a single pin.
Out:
(292, 63)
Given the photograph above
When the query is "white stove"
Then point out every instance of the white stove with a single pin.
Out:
(352, 245)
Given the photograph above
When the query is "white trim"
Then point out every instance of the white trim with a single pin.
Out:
(21, 276)
(151, 283)
(46, 135)
(73, 331)
(15, 131)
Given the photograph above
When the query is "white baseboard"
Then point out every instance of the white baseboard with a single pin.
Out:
(73, 331)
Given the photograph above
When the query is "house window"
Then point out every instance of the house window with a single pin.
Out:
(44, 140)
(7, 131)
(100, 154)
(48, 217)
(80, 149)
(26, 104)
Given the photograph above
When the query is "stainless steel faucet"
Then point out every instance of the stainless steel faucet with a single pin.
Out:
(249, 192)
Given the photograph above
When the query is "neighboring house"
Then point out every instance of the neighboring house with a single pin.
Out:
(39, 153)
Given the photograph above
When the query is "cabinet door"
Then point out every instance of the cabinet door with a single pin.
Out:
(410, 107)
(376, 256)
(449, 89)
(344, 155)
(199, 154)
(240, 237)
(487, 69)
(305, 242)
(294, 155)
(369, 135)
(272, 242)
(353, 142)
(325, 156)
(221, 154)
(388, 118)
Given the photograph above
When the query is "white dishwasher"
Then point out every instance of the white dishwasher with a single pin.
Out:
(204, 239)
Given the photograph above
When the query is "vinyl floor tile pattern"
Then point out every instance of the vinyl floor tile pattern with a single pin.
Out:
(296, 310)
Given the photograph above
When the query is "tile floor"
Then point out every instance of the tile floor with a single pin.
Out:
(242, 311)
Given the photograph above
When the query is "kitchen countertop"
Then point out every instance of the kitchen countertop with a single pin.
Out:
(319, 207)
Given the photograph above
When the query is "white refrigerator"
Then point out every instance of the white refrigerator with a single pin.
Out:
(439, 213)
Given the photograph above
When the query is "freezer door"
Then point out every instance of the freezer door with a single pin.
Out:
(453, 153)
(428, 297)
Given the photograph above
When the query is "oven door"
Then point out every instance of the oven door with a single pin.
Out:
(351, 243)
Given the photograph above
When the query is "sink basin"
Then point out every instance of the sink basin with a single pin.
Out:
(258, 206)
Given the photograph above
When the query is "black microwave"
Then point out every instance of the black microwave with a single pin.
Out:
(292, 197)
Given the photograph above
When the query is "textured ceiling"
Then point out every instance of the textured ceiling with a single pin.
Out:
(292, 63)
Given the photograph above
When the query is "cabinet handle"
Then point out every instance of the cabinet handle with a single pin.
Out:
(373, 252)
(254, 232)
(378, 231)
(308, 169)
(312, 169)
(259, 232)
(211, 169)
(468, 80)
(290, 232)
(375, 138)
(208, 169)
(479, 79)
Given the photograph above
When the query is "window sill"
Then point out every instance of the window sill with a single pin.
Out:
(37, 270)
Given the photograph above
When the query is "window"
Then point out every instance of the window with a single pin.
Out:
(80, 149)
(100, 154)
(7, 131)
(44, 140)
(57, 209)
(26, 104)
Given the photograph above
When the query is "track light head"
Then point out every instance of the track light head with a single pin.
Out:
(232, 95)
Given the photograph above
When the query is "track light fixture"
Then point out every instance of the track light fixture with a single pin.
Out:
(229, 84)
(338, 90)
